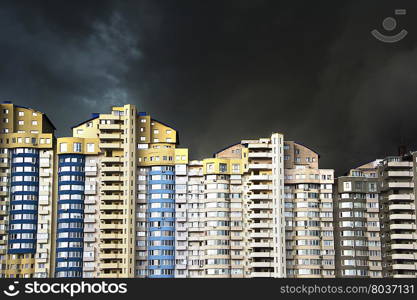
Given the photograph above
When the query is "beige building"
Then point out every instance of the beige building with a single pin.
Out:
(119, 199)
(357, 224)
(308, 214)
(398, 215)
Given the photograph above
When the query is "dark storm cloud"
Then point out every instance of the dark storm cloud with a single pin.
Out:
(221, 71)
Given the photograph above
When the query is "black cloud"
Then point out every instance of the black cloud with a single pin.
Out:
(221, 71)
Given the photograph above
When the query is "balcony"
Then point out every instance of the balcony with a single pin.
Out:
(262, 274)
(260, 254)
(260, 187)
(112, 217)
(259, 145)
(44, 173)
(397, 236)
(402, 217)
(401, 207)
(89, 239)
(110, 126)
(89, 210)
(112, 246)
(400, 174)
(401, 197)
(260, 206)
(403, 247)
(112, 256)
(111, 188)
(260, 235)
(399, 185)
(110, 136)
(111, 236)
(112, 178)
(403, 256)
(195, 173)
(404, 267)
(261, 265)
(260, 197)
(111, 159)
(259, 155)
(111, 145)
(260, 177)
(111, 169)
(112, 226)
(111, 197)
(402, 226)
(261, 245)
(260, 225)
(111, 207)
(400, 164)
(260, 166)
(260, 216)
(90, 192)
(104, 266)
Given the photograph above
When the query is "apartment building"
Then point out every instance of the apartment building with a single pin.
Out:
(398, 215)
(310, 249)
(27, 168)
(120, 199)
(117, 197)
(76, 234)
(264, 196)
(357, 224)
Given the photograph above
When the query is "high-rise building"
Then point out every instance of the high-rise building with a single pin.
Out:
(398, 215)
(308, 214)
(357, 225)
(27, 194)
(233, 215)
(116, 197)
(119, 199)
(264, 196)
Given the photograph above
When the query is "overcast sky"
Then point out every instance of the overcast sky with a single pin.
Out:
(222, 71)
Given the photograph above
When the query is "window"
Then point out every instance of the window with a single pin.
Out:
(347, 186)
(35, 123)
(236, 168)
(63, 147)
(21, 122)
(21, 113)
(210, 167)
(223, 167)
(77, 147)
(90, 147)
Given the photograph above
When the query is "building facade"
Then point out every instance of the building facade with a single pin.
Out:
(27, 197)
(308, 214)
(398, 215)
(358, 228)
(120, 199)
